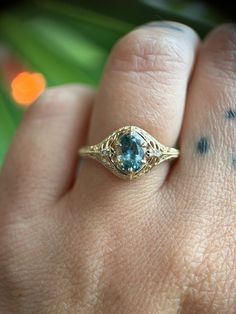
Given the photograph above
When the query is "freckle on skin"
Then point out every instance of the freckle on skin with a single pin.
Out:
(230, 114)
(203, 146)
(234, 161)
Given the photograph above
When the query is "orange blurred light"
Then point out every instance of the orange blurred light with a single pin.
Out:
(27, 87)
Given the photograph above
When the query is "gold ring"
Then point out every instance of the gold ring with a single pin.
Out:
(129, 152)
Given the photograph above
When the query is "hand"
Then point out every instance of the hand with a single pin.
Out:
(93, 243)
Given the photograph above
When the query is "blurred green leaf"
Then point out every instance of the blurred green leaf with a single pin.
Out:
(38, 55)
(65, 41)
(7, 126)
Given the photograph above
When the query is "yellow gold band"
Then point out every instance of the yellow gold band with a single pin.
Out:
(129, 152)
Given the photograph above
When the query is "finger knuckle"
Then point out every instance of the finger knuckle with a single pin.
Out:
(53, 103)
(220, 52)
(141, 51)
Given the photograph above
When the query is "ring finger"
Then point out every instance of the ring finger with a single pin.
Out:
(144, 84)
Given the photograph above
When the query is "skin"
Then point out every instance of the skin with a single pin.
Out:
(87, 242)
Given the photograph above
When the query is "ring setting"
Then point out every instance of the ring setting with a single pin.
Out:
(129, 152)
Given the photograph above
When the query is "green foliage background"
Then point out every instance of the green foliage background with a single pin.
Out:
(69, 41)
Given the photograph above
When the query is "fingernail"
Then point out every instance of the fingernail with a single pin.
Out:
(164, 24)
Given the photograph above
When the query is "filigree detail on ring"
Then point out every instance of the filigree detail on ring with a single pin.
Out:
(130, 152)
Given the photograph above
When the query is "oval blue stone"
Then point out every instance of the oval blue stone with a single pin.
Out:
(131, 152)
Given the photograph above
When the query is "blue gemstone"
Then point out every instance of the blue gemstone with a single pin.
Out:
(131, 152)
